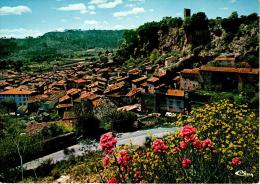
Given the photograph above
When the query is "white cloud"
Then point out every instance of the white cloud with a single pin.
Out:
(233, 1)
(77, 18)
(106, 3)
(91, 7)
(130, 5)
(224, 8)
(138, 1)
(15, 10)
(97, 1)
(74, 7)
(19, 33)
(134, 11)
(63, 20)
(91, 22)
(151, 10)
(178, 14)
(110, 4)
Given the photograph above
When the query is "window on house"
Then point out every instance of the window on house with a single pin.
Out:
(178, 103)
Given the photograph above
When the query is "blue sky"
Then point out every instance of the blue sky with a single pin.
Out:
(21, 18)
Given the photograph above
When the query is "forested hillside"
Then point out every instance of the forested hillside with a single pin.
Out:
(54, 45)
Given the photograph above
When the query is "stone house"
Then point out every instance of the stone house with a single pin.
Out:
(20, 96)
(190, 79)
(229, 79)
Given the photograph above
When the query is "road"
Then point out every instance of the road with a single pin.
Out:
(134, 138)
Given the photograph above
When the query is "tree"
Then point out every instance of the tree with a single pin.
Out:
(196, 28)
(154, 55)
(8, 104)
(87, 125)
(148, 36)
(231, 24)
(169, 22)
(16, 147)
(197, 21)
(122, 121)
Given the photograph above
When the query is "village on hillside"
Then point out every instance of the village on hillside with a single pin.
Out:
(154, 89)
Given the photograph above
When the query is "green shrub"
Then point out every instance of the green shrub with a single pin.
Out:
(122, 121)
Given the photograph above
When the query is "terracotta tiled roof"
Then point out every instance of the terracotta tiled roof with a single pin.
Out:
(230, 70)
(96, 89)
(59, 106)
(132, 92)
(134, 71)
(175, 92)
(60, 83)
(102, 79)
(139, 79)
(85, 95)
(160, 86)
(37, 98)
(143, 84)
(55, 95)
(177, 78)
(64, 98)
(115, 87)
(93, 84)
(73, 91)
(16, 91)
(88, 77)
(79, 81)
(190, 71)
(104, 70)
(152, 79)
(121, 79)
(224, 58)
(101, 83)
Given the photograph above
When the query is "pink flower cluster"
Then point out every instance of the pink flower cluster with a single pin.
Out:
(188, 134)
(107, 143)
(207, 143)
(124, 158)
(186, 163)
(112, 180)
(105, 161)
(189, 137)
(187, 131)
(198, 144)
(236, 161)
(159, 146)
(183, 145)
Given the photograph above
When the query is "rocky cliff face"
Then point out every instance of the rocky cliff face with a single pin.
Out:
(211, 43)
